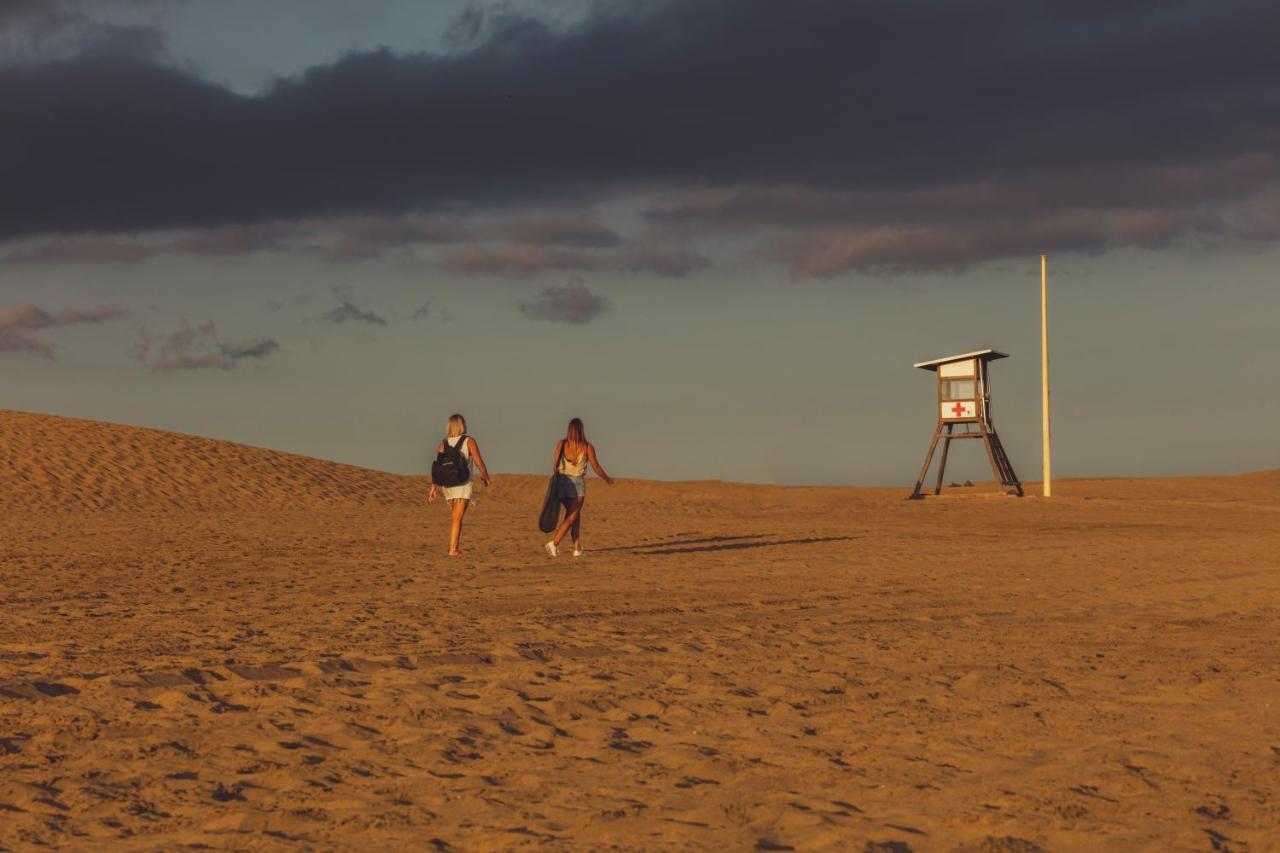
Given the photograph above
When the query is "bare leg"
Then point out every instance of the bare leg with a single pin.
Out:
(572, 508)
(576, 531)
(455, 524)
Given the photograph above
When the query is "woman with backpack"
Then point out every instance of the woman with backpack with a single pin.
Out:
(572, 454)
(451, 471)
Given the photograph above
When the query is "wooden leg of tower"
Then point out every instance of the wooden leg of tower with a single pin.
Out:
(942, 462)
(924, 469)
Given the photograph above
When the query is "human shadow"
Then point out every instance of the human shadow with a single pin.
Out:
(742, 546)
(702, 541)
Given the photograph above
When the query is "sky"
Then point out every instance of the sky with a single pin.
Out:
(719, 231)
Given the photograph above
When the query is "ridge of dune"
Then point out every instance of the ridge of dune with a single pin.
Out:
(51, 462)
(54, 462)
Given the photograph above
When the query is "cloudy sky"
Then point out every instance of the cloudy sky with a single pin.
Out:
(718, 230)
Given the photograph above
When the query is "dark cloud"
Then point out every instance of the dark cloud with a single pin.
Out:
(232, 239)
(1258, 220)
(343, 239)
(822, 253)
(83, 250)
(890, 101)
(667, 263)
(348, 312)
(197, 347)
(366, 237)
(580, 231)
(528, 261)
(13, 11)
(258, 349)
(1149, 185)
(19, 323)
(55, 30)
(570, 303)
(422, 311)
(822, 232)
(225, 240)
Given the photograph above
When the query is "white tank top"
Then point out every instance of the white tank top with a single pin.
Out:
(573, 469)
(466, 447)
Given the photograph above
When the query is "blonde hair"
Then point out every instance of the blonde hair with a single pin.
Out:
(457, 426)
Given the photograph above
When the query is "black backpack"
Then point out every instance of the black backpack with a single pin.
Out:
(450, 467)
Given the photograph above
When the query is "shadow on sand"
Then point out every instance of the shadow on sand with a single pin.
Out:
(721, 543)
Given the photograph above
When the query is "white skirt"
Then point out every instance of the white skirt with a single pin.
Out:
(458, 493)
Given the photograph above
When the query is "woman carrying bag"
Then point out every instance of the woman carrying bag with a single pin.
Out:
(455, 457)
(569, 487)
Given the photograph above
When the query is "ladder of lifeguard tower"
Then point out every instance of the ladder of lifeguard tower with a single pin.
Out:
(1005, 467)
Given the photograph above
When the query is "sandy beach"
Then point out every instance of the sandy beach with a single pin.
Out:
(210, 644)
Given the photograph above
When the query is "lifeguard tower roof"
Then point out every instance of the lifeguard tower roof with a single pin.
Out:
(984, 354)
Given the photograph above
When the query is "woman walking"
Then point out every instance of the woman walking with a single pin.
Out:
(572, 454)
(458, 496)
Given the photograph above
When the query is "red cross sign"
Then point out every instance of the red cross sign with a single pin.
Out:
(959, 410)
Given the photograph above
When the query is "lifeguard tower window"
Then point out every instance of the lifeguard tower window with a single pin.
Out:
(958, 389)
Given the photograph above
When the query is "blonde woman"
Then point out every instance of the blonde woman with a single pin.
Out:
(456, 456)
(572, 455)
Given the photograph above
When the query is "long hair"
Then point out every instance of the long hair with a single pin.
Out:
(577, 433)
(457, 426)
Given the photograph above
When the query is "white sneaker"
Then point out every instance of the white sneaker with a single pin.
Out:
(577, 552)
(552, 550)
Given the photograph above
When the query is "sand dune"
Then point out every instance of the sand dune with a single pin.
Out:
(63, 463)
(283, 657)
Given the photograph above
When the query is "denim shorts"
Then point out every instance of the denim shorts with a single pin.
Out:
(571, 487)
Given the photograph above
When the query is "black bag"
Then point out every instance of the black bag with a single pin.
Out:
(549, 520)
(451, 467)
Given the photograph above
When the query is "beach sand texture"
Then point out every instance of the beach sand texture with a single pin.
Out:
(210, 644)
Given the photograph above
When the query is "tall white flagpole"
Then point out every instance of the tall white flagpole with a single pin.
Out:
(1044, 368)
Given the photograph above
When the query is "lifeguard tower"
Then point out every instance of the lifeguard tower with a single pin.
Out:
(964, 400)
